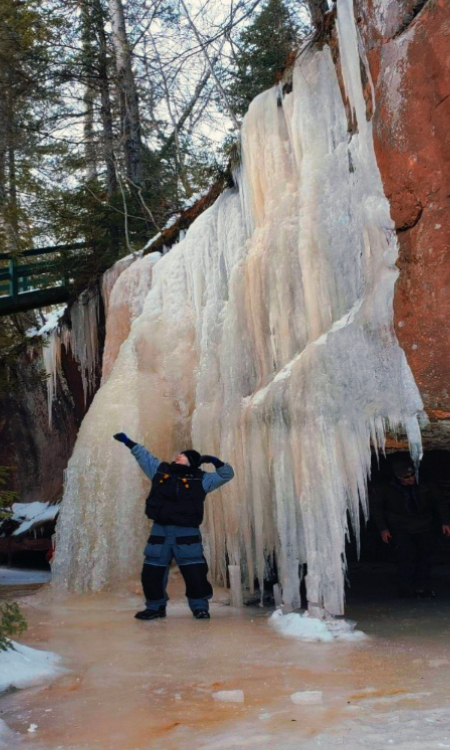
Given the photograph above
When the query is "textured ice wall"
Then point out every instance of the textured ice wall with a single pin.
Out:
(124, 300)
(81, 338)
(150, 394)
(266, 338)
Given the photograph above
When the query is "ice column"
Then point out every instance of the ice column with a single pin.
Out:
(81, 338)
(125, 302)
(266, 338)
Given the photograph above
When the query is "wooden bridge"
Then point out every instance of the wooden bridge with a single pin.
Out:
(28, 286)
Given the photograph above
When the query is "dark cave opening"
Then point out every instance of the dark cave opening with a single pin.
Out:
(373, 575)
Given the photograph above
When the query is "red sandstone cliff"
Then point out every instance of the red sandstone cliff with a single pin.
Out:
(407, 44)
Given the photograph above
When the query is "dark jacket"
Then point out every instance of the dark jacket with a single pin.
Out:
(177, 495)
(396, 508)
(172, 501)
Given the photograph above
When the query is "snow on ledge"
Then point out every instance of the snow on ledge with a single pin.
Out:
(307, 628)
(51, 322)
(32, 514)
(22, 667)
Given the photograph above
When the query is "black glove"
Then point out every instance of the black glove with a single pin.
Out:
(212, 460)
(122, 438)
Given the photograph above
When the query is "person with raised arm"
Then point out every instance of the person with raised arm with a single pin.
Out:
(176, 504)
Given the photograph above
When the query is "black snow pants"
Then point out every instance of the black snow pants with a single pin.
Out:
(184, 544)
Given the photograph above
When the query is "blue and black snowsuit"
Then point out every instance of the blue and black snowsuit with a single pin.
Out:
(175, 504)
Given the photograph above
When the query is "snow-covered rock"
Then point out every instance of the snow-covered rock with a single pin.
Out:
(22, 667)
(32, 514)
(51, 321)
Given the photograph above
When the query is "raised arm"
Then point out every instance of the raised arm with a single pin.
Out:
(212, 480)
(146, 460)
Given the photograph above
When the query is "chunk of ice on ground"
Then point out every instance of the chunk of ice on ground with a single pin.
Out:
(296, 625)
(229, 696)
(309, 697)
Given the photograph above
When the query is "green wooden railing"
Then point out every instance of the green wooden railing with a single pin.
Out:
(27, 286)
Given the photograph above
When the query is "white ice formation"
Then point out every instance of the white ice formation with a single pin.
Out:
(124, 303)
(229, 696)
(304, 627)
(266, 338)
(82, 341)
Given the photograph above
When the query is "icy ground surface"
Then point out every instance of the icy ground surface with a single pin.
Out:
(149, 686)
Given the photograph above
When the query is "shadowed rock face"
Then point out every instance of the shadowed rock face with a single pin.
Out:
(37, 453)
(408, 48)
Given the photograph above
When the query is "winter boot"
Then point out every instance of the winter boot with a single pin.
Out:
(201, 614)
(151, 614)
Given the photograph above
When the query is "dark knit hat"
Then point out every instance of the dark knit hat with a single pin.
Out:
(193, 457)
(402, 466)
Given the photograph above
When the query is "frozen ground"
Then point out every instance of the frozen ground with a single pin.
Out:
(149, 686)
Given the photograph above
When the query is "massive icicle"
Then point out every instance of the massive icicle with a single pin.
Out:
(266, 338)
(82, 340)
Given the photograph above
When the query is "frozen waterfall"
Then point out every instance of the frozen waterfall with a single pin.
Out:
(266, 338)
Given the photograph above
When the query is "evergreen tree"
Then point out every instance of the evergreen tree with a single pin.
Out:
(262, 51)
(12, 622)
(26, 33)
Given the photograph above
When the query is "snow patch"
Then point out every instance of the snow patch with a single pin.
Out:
(14, 576)
(32, 514)
(307, 628)
(51, 321)
(22, 667)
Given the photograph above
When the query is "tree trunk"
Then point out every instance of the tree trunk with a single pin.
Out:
(105, 99)
(3, 161)
(3, 149)
(131, 129)
(9, 223)
(89, 55)
(89, 135)
(318, 9)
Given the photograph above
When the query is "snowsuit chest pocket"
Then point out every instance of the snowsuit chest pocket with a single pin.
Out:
(188, 549)
(154, 547)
